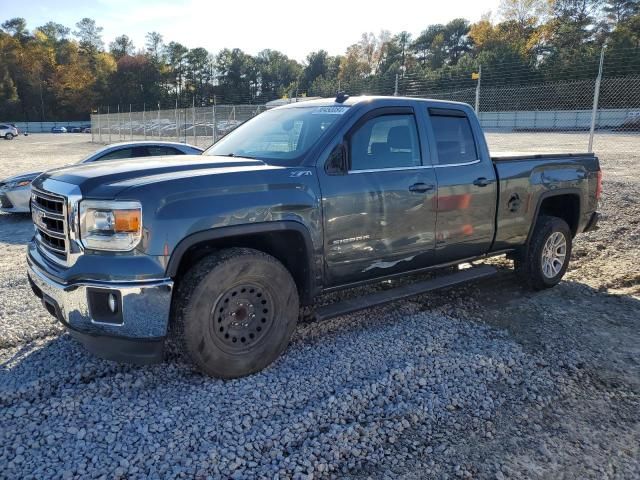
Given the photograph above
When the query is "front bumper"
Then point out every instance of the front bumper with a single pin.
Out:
(136, 334)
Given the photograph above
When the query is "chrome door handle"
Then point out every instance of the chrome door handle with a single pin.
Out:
(421, 187)
(482, 182)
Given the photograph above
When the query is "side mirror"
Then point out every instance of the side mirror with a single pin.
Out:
(337, 161)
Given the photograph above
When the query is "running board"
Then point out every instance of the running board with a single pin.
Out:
(380, 298)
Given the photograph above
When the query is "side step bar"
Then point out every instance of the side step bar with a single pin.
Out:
(405, 291)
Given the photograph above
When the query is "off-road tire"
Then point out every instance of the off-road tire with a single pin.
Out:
(528, 265)
(229, 275)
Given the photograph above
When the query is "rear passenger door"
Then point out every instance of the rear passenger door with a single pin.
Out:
(467, 187)
(378, 216)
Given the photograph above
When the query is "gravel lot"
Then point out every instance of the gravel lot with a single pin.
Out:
(484, 381)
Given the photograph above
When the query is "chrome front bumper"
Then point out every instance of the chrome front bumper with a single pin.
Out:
(137, 336)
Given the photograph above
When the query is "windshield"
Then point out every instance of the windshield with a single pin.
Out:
(279, 136)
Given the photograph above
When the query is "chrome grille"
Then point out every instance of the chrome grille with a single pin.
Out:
(49, 218)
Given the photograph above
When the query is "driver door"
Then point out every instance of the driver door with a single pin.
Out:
(379, 216)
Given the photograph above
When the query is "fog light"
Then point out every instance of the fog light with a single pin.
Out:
(104, 305)
(113, 303)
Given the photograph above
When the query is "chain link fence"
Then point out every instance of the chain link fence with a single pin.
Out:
(200, 126)
(576, 112)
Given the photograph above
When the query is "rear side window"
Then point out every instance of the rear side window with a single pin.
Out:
(122, 153)
(454, 138)
(160, 150)
(388, 141)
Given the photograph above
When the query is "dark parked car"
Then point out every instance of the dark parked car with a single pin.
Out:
(221, 250)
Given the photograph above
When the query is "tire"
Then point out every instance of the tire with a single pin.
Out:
(235, 312)
(8, 136)
(531, 265)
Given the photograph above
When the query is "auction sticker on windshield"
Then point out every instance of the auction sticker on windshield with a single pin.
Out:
(330, 110)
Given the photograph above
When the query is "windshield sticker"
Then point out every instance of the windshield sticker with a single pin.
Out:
(330, 110)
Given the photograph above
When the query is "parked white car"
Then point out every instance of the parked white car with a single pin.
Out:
(15, 192)
(8, 132)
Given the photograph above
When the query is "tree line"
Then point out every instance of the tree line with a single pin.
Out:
(54, 72)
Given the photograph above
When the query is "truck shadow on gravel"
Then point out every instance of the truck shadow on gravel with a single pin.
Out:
(600, 328)
(572, 318)
(15, 228)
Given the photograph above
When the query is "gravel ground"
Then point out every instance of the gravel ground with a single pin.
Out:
(484, 381)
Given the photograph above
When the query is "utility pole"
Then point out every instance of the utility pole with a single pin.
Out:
(596, 98)
(193, 117)
(175, 116)
(478, 91)
(215, 125)
(395, 90)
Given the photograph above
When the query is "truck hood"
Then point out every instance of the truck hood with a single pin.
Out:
(107, 179)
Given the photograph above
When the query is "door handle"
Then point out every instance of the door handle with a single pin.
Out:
(421, 187)
(482, 182)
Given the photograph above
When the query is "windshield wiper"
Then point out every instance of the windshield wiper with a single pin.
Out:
(239, 156)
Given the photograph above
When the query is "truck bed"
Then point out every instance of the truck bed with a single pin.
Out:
(526, 177)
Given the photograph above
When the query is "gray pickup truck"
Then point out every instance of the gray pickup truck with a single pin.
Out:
(220, 251)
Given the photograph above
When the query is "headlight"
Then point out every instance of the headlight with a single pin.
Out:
(110, 225)
(21, 183)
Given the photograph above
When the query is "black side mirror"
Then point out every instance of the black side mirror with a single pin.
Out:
(337, 161)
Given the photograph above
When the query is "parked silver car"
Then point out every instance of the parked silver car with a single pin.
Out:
(15, 192)
(8, 132)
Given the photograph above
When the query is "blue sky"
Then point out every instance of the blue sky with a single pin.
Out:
(251, 25)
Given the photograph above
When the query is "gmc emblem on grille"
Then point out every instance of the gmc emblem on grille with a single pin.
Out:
(38, 219)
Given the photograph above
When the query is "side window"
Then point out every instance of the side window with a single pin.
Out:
(388, 141)
(117, 154)
(155, 151)
(454, 139)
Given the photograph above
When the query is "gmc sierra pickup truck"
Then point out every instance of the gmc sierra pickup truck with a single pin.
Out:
(219, 251)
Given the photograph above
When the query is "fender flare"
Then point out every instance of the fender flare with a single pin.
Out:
(247, 229)
(549, 194)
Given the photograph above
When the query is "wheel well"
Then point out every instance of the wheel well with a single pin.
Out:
(288, 246)
(566, 207)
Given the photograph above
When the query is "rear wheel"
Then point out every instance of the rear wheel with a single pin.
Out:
(8, 136)
(546, 259)
(237, 310)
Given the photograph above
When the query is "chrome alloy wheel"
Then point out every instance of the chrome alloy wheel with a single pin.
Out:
(554, 254)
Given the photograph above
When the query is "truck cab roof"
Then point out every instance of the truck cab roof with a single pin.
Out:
(360, 99)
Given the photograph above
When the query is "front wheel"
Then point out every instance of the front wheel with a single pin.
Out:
(236, 312)
(546, 259)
